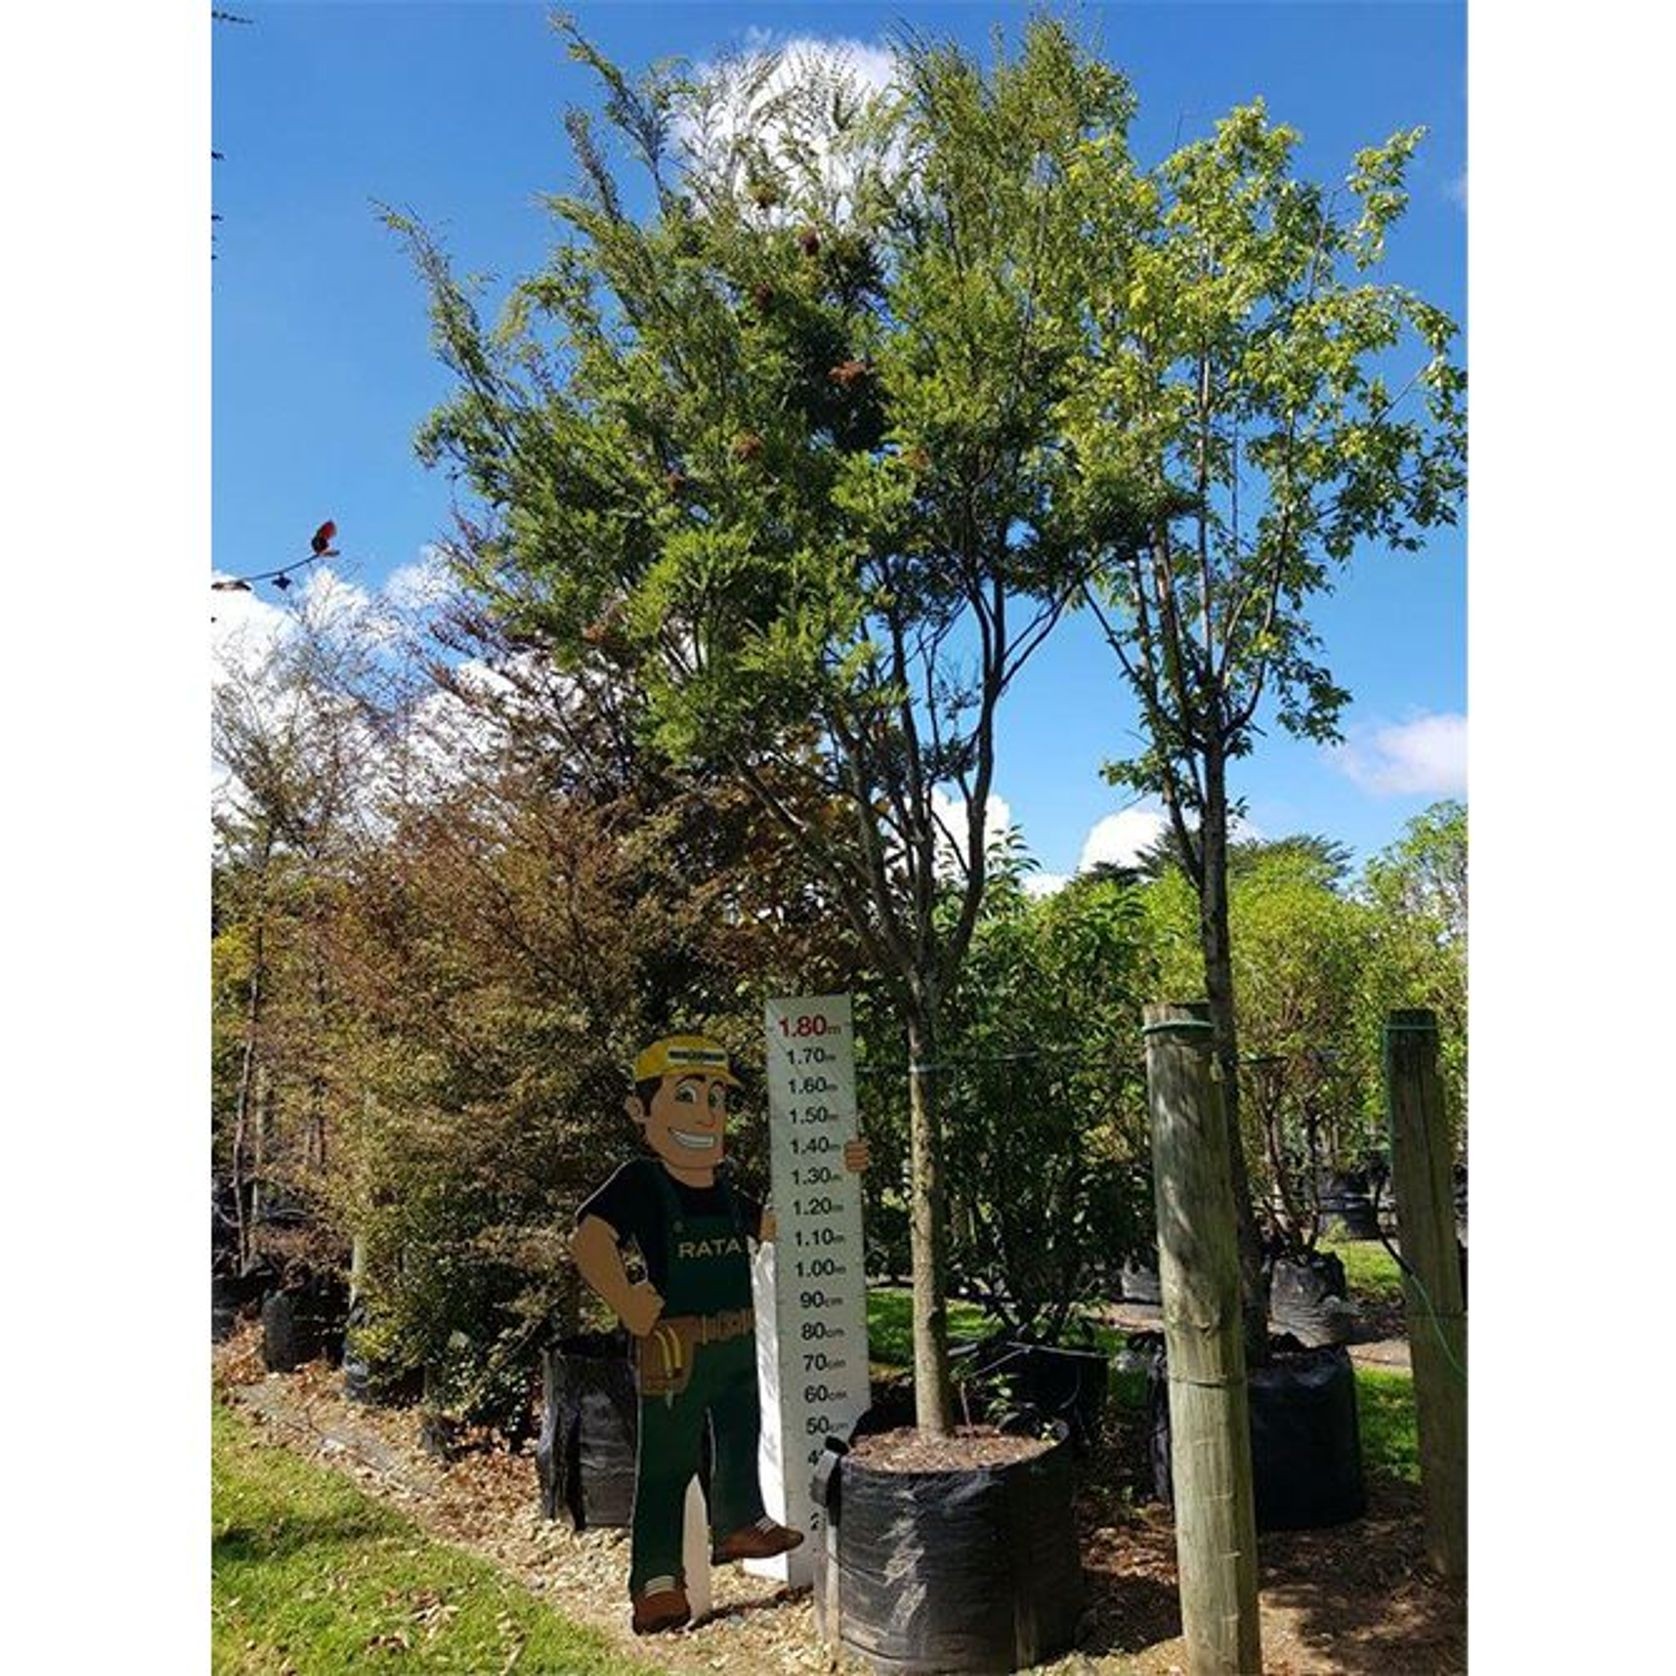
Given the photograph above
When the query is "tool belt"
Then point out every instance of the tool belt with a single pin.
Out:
(664, 1359)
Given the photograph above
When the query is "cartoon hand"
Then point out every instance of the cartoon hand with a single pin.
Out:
(641, 1309)
(857, 1155)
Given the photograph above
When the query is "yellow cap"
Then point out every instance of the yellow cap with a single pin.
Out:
(677, 1054)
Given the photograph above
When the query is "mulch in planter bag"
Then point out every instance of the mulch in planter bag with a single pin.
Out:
(967, 1570)
(1306, 1451)
(590, 1426)
(1307, 1299)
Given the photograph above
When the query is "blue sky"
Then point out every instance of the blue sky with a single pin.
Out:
(321, 366)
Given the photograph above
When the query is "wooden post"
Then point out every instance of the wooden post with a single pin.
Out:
(1210, 1412)
(1421, 1154)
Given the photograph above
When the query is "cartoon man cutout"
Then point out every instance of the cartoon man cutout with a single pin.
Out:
(691, 1318)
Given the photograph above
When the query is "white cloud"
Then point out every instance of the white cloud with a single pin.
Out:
(1044, 884)
(952, 812)
(793, 133)
(244, 627)
(1121, 838)
(415, 587)
(250, 636)
(1426, 756)
(872, 65)
(1456, 188)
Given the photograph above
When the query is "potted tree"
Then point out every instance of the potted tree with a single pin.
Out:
(795, 488)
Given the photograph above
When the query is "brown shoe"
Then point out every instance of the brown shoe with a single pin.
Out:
(660, 1610)
(761, 1541)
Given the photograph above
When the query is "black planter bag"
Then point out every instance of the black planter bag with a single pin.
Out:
(282, 1344)
(303, 1323)
(1138, 1283)
(226, 1295)
(1306, 1447)
(973, 1570)
(375, 1381)
(1048, 1381)
(1347, 1201)
(590, 1428)
(1307, 1299)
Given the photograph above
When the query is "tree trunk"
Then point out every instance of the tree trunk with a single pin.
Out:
(241, 1115)
(262, 1099)
(1219, 990)
(933, 1399)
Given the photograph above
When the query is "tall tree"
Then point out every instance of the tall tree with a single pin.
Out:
(1417, 890)
(791, 458)
(292, 746)
(1275, 413)
(1424, 873)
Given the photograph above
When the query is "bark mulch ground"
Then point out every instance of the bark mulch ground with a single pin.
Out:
(1355, 1600)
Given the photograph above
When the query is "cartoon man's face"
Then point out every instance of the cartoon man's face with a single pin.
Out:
(686, 1121)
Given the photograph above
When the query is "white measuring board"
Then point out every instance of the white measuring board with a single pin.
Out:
(812, 1284)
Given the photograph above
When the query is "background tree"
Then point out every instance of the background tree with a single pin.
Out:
(790, 458)
(1303, 968)
(537, 902)
(1049, 1182)
(1274, 413)
(1417, 892)
(292, 747)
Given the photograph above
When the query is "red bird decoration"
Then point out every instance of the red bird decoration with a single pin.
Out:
(322, 543)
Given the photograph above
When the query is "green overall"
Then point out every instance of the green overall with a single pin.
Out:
(709, 1276)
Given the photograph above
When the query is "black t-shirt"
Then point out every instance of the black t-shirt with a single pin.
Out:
(631, 1204)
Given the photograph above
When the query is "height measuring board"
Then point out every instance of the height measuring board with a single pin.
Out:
(811, 1282)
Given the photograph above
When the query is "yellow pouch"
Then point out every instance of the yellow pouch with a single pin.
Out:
(664, 1361)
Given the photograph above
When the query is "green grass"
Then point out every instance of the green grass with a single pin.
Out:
(311, 1576)
(1384, 1401)
(1385, 1415)
(1369, 1269)
(890, 1325)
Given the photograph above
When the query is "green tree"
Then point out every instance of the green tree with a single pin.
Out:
(1416, 889)
(786, 449)
(1300, 955)
(1304, 970)
(1422, 877)
(1045, 1093)
(292, 748)
(1274, 412)
(526, 910)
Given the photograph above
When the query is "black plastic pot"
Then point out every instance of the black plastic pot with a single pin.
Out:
(590, 1426)
(281, 1342)
(1347, 1201)
(1050, 1381)
(1307, 1299)
(1306, 1450)
(372, 1379)
(965, 1570)
(303, 1323)
(228, 1295)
